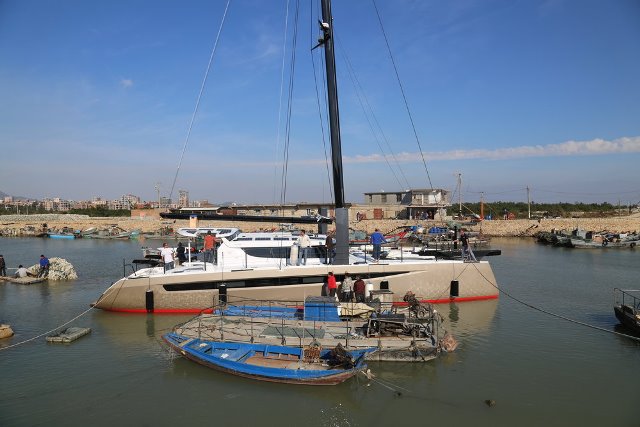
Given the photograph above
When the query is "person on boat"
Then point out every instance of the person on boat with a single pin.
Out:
(330, 247)
(22, 272)
(332, 285)
(377, 239)
(464, 240)
(359, 289)
(209, 246)
(44, 266)
(304, 243)
(181, 254)
(345, 288)
(3, 266)
(166, 254)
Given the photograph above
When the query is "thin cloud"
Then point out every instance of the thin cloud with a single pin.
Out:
(126, 83)
(569, 148)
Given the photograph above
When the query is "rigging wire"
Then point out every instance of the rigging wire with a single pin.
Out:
(48, 332)
(369, 114)
(202, 86)
(284, 54)
(404, 97)
(292, 67)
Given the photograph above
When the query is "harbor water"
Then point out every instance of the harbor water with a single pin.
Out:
(533, 368)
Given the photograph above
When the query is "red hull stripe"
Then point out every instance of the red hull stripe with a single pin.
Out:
(209, 311)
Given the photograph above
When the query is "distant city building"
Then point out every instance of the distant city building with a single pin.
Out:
(165, 202)
(183, 198)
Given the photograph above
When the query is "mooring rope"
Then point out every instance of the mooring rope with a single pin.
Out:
(48, 332)
(559, 316)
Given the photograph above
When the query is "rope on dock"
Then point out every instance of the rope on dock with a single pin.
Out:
(48, 332)
(559, 316)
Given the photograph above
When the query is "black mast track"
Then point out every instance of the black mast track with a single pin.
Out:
(342, 212)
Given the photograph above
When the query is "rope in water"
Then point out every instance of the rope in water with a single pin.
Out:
(559, 316)
(48, 332)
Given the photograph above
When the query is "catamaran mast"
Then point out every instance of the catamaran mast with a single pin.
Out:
(342, 213)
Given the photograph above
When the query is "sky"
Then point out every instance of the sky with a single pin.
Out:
(97, 99)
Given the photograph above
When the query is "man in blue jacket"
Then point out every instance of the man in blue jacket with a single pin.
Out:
(44, 266)
(377, 239)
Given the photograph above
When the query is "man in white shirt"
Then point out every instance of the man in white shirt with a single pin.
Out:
(22, 272)
(304, 243)
(166, 254)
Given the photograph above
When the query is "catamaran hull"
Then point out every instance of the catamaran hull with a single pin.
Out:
(435, 282)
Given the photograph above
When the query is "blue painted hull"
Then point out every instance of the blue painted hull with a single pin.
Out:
(61, 236)
(266, 362)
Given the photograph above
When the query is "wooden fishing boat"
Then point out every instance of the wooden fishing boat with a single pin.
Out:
(627, 308)
(283, 364)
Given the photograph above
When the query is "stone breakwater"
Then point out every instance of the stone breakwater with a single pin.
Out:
(26, 225)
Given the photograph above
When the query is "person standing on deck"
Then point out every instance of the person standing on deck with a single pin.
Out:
(377, 239)
(44, 266)
(166, 253)
(3, 266)
(345, 288)
(332, 285)
(330, 245)
(180, 254)
(465, 244)
(209, 246)
(304, 243)
(359, 288)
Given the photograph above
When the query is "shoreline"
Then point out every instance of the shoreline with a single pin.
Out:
(31, 225)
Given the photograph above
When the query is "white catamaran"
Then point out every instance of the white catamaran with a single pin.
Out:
(262, 269)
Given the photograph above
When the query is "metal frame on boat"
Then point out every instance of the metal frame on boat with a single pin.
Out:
(626, 306)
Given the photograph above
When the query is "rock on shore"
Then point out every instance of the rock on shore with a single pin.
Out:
(15, 225)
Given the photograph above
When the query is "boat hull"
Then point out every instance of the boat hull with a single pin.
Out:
(254, 362)
(197, 292)
(627, 318)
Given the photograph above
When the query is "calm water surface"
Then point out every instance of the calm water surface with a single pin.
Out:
(540, 370)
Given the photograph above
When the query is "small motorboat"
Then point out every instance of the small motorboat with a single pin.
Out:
(311, 365)
(627, 308)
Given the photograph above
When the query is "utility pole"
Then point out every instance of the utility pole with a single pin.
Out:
(157, 188)
(482, 205)
(529, 201)
(460, 195)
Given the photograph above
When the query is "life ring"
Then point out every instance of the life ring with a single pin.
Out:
(605, 243)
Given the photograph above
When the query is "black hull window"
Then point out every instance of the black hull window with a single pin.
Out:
(262, 282)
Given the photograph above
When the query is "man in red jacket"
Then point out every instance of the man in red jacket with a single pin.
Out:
(332, 285)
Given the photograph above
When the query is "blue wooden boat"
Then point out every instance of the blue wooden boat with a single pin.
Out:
(282, 364)
(61, 235)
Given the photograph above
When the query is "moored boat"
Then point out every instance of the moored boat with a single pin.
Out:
(275, 363)
(626, 307)
(406, 334)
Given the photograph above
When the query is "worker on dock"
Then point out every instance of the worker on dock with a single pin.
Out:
(22, 272)
(44, 266)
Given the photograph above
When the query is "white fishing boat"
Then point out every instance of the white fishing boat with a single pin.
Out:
(263, 269)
